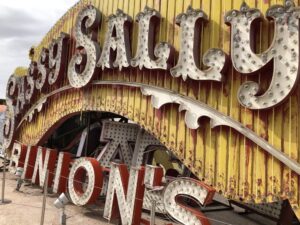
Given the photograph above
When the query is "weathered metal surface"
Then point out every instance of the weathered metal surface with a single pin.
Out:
(221, 156)
(194, 110)
(119, 138)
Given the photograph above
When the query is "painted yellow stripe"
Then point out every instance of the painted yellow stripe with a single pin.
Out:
(224, 158)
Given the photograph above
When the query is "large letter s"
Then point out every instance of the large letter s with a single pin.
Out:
(188, 187)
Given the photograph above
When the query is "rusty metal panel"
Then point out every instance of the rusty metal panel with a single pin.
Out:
(221, 156)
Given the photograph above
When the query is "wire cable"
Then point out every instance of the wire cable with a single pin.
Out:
(83, 182)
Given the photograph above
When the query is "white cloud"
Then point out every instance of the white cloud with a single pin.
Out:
(23, 23)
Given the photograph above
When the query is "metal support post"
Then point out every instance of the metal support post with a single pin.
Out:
(136, 151)
(44, 198)
(152, 214)
(3, 200)
(87, 135)
(63, 217)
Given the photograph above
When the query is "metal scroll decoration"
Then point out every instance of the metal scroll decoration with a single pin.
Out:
(148, 54)
(188, 64)
(117, 39)
(195, 110)
(37, 108)
(284, 51)
(82, 64)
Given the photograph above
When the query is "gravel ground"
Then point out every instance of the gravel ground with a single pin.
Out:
(26, 207)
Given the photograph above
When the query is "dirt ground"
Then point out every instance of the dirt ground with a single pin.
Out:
(26, 207)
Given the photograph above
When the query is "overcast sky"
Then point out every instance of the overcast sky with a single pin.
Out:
(23, 23)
